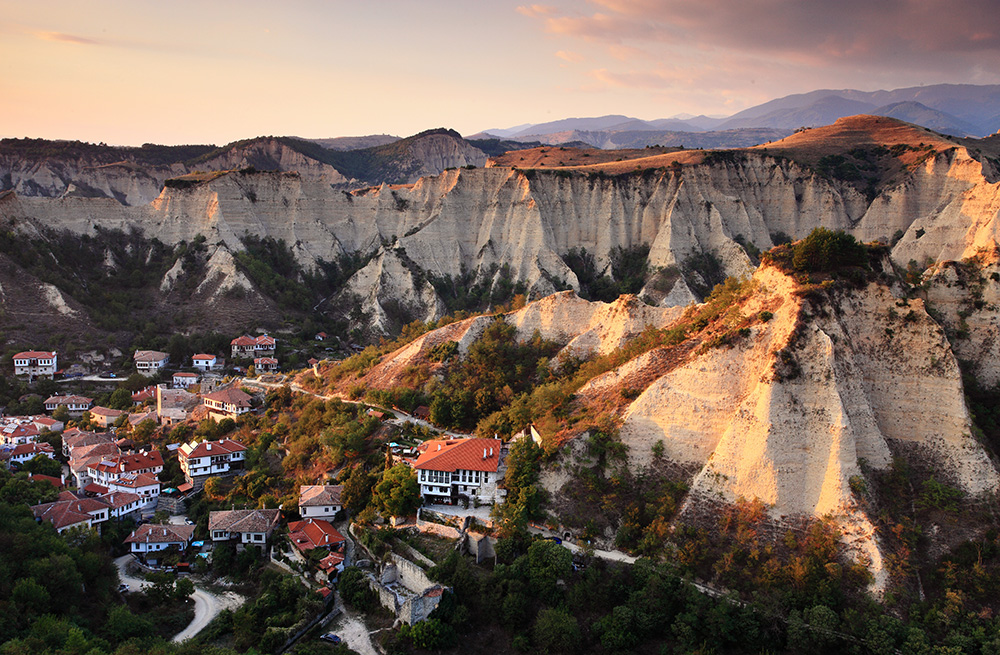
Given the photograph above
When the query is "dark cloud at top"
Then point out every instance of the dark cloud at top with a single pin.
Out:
(942, 36)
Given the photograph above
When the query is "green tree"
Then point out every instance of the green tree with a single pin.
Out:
(61, 413)
(121, 398)
(556, 630)
(43, 465)
(398, 493)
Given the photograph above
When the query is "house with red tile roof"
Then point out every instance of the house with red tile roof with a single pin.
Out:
(330, 567)
(199, 460)
(265, 364)
(72, 512)
(204, 362)
(17, 431)
(27, 451)
(150, 540)
(247, 346)
(310, 534)
(35, 363)
(144, 485)
(104, 416)
(44, 423)
(449, 470)
(144, 394)
(247, 526)
(227, 403)
(109, 469)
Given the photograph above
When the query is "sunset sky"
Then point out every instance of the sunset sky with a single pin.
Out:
(213, 72)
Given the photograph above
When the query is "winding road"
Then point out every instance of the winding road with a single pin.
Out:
(206, 604)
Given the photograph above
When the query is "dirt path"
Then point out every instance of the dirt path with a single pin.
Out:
(206, 604)
(206, 607)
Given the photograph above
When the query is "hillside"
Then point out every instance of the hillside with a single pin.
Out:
(797, 389)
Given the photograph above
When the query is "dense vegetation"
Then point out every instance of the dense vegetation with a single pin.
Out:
(147, 153)
(629, 269)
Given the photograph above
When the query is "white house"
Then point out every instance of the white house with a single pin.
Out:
(149, 362)
(248, 526)
(265, 364)
(72, 512)
(150, 539)
(204, 362)
(320, 500)
(144, 485)
(450, 469)
(200, 460)
(76, 405)
(27, 451)
(121, 503)
(227, 403)
(35, 363)
(15, 431)
(247, 346)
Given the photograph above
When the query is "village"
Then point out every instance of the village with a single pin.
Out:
(107, 471)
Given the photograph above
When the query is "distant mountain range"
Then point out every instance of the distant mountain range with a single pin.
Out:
(954, 109)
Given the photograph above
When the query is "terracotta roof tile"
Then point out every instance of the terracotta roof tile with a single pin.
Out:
(459, 454)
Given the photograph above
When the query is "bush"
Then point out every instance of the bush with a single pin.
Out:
(825, 249)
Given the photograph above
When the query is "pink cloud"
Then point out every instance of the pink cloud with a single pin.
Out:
(67, 38)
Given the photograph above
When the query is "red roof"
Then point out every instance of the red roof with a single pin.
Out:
(185, 375)
(94, 488)
(459, 454)
(207, 358)
(138, 461)
(265, 360)
(313, 533)
(331, 561)
(35, 354)
(55, 482)
(208, 448)
(245, 340)
(32, 449)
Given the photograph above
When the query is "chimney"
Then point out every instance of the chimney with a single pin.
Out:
(491, 451)
(208, 446)
(439, 446)
(484, 453)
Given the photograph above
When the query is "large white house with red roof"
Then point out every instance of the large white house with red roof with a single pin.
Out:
(35, 363)
(200, 460)
(183, 380)
(452, 469)
(26, 452)
(204, 362)
(247, 346)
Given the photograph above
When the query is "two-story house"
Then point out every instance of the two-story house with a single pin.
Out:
(71, 512)
(76, 405)
(104, 417)
(250, 347)
(247, 526)
(35, 363)
(230, 402)
(453, 469)
(149, 362)
(198, 461)
(204, 362)
(265, 364)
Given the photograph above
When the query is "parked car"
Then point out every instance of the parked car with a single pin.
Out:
(332, 638)
(122, 588)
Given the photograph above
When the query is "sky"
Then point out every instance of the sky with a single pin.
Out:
(180, 72)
